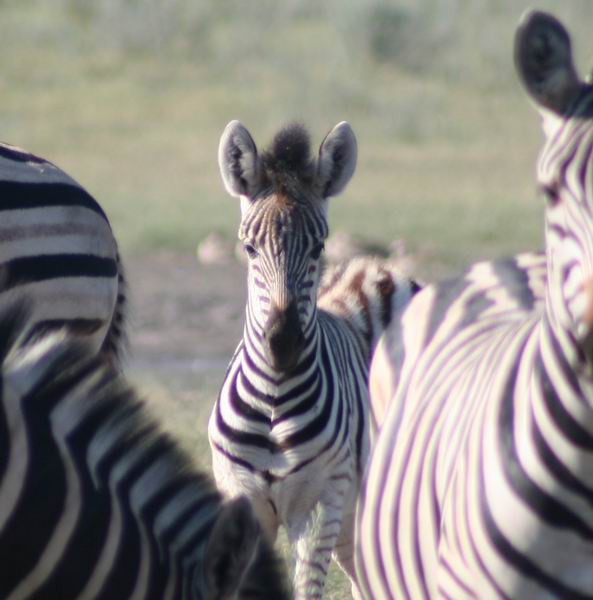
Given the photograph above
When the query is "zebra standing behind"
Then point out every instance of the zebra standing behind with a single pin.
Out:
(96, 502)
(290, 427)
(57, 247)
(481, 482)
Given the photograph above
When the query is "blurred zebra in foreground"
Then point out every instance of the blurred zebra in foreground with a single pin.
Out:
(96, 502)
(57, 247)
(290, 427)
(481, 483)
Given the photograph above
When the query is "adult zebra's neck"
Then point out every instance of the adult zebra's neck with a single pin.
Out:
(562, 333)
(564, 369)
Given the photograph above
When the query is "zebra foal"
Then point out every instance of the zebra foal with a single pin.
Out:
(57, 248)
(96, 502)
(290, 427)
(481, 483)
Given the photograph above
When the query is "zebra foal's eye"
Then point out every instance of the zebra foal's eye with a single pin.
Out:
(250, 250)
(317, 250)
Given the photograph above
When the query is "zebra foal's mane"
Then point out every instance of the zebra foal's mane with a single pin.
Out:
(287, 162)
(290, 150)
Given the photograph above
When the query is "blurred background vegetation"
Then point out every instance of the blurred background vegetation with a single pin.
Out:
(130, 97)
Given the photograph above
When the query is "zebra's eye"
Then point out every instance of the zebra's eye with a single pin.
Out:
(250, 250)
(317, 250)
(551, 193)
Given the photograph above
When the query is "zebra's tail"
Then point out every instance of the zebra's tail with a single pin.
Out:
(115, 344)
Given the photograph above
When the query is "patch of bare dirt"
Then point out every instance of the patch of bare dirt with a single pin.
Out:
(182, 312)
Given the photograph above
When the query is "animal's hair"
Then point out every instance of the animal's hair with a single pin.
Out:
(289, 152)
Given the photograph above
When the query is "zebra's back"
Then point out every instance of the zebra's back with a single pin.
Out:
(57, 247)
(367, 294)
(512, 288)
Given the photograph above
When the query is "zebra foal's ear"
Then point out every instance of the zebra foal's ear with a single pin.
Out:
(337, 159)
(231, 548)
(238, 161)
(543, 58)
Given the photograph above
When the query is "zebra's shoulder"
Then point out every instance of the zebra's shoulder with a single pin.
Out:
(517, 282)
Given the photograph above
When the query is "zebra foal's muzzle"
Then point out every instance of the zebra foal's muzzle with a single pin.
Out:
(283, 338)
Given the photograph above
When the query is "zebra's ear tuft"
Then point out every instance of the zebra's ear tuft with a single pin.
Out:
(543, 59)
(337, 160)
(239, 162)
(231, 548)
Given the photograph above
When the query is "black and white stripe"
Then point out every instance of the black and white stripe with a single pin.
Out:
(96, 502)
(290, 427)
(57, 247)
(481, 484)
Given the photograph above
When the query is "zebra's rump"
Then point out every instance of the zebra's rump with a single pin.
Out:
(57, 248)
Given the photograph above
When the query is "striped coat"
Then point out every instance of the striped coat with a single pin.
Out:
(57, 247)
(96, 502)
(290, 428)
(480, 485)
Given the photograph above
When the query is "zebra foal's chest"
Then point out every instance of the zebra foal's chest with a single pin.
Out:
(280, 425)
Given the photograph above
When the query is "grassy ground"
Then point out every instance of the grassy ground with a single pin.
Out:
(131, 98)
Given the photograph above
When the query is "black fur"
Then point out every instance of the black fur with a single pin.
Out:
(289, 153)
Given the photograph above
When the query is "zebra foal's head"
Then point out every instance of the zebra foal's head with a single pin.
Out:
(543, 57)
(283, 195)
